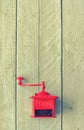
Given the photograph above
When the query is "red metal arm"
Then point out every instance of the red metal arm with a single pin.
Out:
(20, 82)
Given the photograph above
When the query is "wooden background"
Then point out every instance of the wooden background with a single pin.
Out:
(42, 40)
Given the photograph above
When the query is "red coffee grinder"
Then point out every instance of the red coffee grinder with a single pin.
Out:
(43, 103)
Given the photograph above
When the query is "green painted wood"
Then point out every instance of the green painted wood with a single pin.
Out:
(7, 65)
(49, 61)
(27, 61)
(39, 57)
(73, 32)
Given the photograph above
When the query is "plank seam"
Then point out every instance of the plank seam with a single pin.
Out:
(61, 65)
(16, 39)
(39, 20)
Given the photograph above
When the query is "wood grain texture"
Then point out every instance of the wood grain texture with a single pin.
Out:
(50, 42)
(7, 65)
(27, 61)
(73, 32)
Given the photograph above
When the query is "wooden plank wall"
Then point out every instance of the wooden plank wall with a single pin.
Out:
(27, 63)
(49, 58)
(36, 50)
(7, 65)
(73, 39)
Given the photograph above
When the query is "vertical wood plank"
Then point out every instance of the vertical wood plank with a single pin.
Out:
(50, 42)
(27, 61)
(73, 35)
(7, 64)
